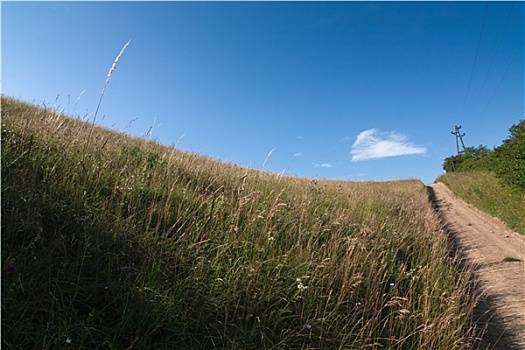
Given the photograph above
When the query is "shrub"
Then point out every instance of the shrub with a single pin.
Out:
(510, 157)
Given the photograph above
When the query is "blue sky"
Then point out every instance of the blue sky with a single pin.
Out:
(339, 90)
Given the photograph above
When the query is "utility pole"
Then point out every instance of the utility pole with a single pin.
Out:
(460, 137)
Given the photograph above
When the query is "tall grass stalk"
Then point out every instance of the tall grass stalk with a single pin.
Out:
(111, 70)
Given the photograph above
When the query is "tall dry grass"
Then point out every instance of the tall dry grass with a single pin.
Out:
(135, 245)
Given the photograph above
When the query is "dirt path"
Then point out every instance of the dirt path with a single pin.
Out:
(487, 243)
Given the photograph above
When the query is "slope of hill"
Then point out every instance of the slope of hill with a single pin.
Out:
(115, 242)
(489, 193)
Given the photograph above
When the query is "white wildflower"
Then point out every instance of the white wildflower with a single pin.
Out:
(300, 285)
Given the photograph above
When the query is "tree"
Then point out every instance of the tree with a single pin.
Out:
(510, 157)
(452, 163)
(468, 160)
(476, 151)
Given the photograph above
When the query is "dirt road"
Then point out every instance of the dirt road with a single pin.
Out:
(497, 254)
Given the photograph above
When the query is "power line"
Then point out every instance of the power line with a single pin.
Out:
(475, 58)
(495, 53)
(503, 77)
(500, 40)
(473, 66)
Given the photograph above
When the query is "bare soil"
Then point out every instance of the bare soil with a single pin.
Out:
(497, 256)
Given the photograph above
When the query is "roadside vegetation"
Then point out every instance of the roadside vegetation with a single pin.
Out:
(115, 242)
(490, 194)
(492, 180)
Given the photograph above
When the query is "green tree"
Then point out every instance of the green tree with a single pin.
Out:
(510, 157)
(452, 163)
(473, 158)
(476, 151)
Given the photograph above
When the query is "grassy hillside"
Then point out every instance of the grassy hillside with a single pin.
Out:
(491, 194)
(116, 242)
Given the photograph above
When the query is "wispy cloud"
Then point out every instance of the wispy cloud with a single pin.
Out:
(375, 144)
(298, 154)
(323, 165)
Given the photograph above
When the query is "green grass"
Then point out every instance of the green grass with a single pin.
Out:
(488, 193)
(117, 242)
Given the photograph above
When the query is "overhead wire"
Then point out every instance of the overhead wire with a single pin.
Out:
(519, 49)
(473, 66)
(475, 58)
(502, 78)
(495, 53)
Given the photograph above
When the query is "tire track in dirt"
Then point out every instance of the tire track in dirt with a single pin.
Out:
(486, 243)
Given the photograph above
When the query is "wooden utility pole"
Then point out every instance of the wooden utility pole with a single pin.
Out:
(460, 137)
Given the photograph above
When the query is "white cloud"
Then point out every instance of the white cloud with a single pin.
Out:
(298, 154)
(324, 165)
(374, 144)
